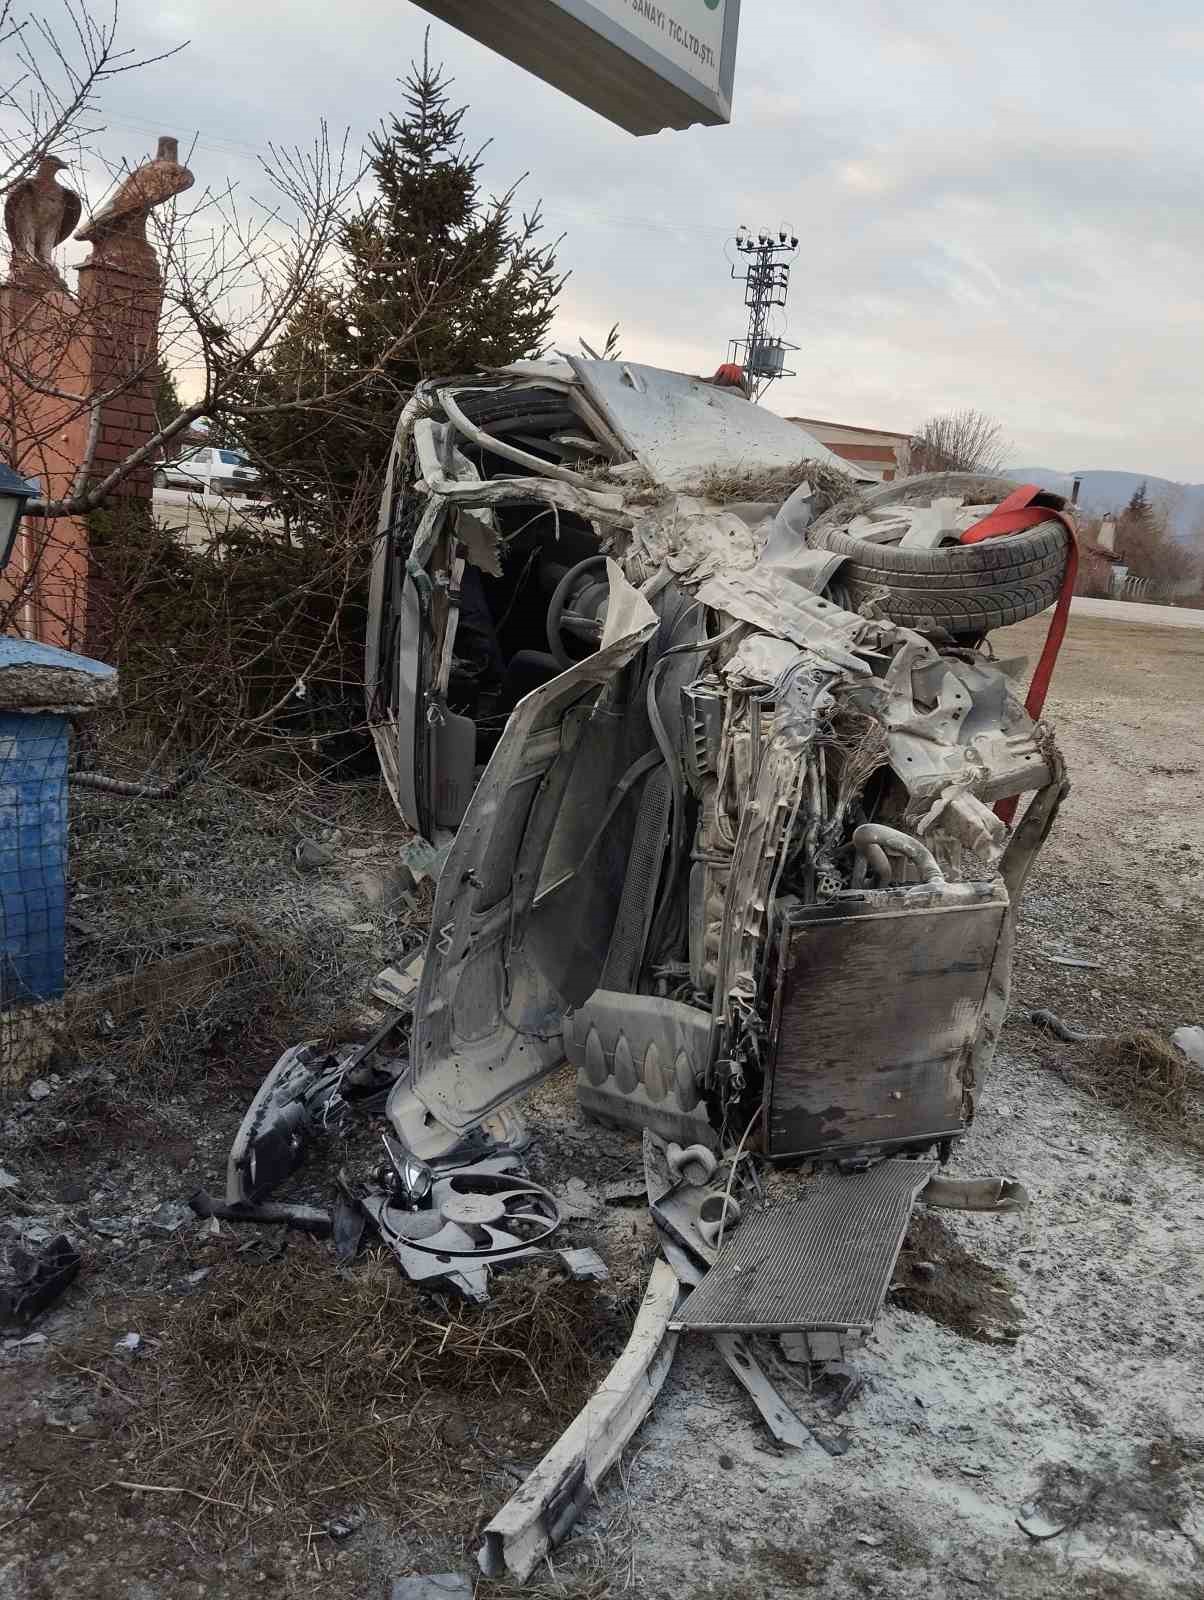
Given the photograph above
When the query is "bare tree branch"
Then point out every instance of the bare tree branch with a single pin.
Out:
(959, 441)
(52, 99)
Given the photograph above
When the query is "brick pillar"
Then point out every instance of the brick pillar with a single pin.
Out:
(43, 593)
(122, 294)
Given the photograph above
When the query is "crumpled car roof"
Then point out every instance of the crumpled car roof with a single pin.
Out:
(680, 427)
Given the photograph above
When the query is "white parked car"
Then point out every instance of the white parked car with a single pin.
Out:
(209, 469)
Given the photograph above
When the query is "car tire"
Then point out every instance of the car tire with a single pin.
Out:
(964, 589)
(160, 480)
(511, 408)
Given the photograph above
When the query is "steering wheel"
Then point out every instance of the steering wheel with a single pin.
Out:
(577, 608)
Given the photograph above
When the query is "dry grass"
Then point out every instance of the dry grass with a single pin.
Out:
(594, 1584)
(293, 1389)
(830, 486)
(155, 882)
(264, 983)
(1143, 1075)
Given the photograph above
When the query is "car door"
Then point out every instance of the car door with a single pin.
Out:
(194, 469)
(399, 646)
(518, 932)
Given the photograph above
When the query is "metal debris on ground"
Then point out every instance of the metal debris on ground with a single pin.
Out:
(307, 1219)
(584, 1265)
(543, 1511)
(819, 1265)
(998, 1195)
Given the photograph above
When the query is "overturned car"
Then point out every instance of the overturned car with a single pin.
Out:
(721, 764)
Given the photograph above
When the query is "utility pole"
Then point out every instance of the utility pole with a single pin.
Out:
(766, 278)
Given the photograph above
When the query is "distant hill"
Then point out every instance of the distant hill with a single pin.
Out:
(1111, 491)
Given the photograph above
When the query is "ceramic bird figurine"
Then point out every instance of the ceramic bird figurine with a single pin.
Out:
(122, 221)
(38, 215)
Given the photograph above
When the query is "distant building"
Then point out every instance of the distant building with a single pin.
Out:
(1102, 569)
(875, 451)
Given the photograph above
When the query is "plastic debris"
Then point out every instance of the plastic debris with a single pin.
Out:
(37, 1279)
(431, 1586)
(1191, 1042)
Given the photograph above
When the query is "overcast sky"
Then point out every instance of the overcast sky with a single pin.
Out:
(998, 206)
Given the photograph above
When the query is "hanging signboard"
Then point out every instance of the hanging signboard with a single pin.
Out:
(643, 64)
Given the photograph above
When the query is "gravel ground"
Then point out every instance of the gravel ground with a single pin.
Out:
(1090, 1400)
(1102, 1397)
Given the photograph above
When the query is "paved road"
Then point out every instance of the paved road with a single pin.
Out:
(1137, 611)
(196, 518)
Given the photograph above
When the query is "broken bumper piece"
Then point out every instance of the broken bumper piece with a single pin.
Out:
(538, 1517)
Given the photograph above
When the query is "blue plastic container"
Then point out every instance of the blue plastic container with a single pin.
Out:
(34, 745)
(33, 856)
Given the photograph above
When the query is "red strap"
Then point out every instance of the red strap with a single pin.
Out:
(1013, 515)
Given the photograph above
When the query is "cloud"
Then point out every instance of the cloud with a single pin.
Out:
(997, 208)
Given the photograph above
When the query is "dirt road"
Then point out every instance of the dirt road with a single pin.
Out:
(1134, 611)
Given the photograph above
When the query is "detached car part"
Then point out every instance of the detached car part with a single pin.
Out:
(543, 1511)
(471, 1220)
(36, 1278)
(310, 1092)
(823, 1261)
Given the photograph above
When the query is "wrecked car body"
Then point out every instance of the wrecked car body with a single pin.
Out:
(720, 775)
(719, 829)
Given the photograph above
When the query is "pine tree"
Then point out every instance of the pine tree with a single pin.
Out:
(437, 278)
(167, 397)
(1138, 510)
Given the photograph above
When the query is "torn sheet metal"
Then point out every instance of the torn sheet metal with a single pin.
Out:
(487, 1008)
(693, 539)
(786, 552)
(822, 1261)
(761, 658)
(447, 488)
(950, 719)
(543, 1511)
(761, 598)
(479, 539)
